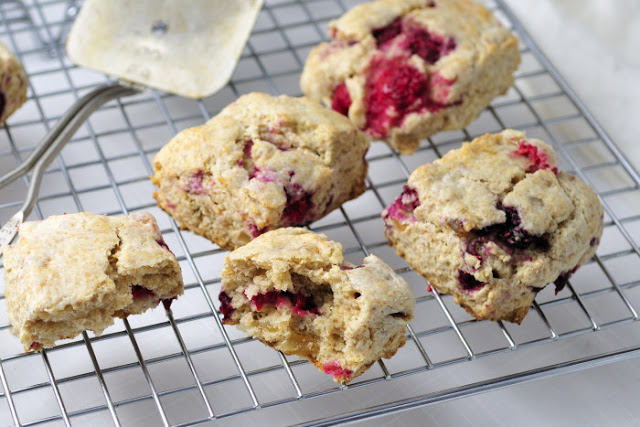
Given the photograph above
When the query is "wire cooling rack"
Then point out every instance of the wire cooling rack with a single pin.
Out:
(184, 367)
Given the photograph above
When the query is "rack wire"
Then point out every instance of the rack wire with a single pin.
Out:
(182, 366)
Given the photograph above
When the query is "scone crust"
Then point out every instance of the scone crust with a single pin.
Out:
(262, 163)
(363, 314)
(472, 62)
(13, 83)
(494, 222)
(74, 272)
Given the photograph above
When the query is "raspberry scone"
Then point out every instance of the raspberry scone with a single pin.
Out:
(494, 222)
(403, 70)
(292, 290)
(71, 273)
(13, 83)
(264, 162)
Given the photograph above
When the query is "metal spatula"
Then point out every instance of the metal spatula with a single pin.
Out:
(187, 47)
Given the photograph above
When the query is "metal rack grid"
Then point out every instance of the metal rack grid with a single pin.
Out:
(183, 367)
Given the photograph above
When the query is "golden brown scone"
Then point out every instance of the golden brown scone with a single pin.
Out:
(264, 162)
(494, 222)
(71, 273)
(403, 70)
(292, 289)
(13, 83)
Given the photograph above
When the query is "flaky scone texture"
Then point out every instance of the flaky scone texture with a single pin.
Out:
(494, 222)
(71, 273)
(292, 290)
(263, 163)
(13, 83)
(403, 70)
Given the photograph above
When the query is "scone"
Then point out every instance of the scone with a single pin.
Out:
(71, 273)
(13, 83)
(494, 222)
(263, 163)
(292, 289)
(403, 70)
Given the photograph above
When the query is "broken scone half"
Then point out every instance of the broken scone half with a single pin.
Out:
(293, 290)
(71, 273)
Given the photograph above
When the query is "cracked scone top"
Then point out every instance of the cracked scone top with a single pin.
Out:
(403, 70)
(262, 163)
(494, 222)
(13, 83)
(292, 289)
(71, 273)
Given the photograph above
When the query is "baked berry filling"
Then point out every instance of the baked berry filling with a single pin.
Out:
(263, 175)
(430, 47)
(163, 244)
(255, 231)
(334, 368)
(276, 137)
(298, 303)
(511, 234)
(140, 292)
(395, 89)
(539, 159)
(194, 183)
(475, 247)
(299, 207)
(348, 267)
(469, 283)
(594, 241)
(416, 40)
(341, 100)
(225, 306)
(563, 279)
(402, 209)
(169, 204)
(388, 32)
(247, 148)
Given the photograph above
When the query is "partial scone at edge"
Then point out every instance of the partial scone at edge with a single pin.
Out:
(494, 222)
(13, 86)
(292, 290)
(71, 273)
(262, 163)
